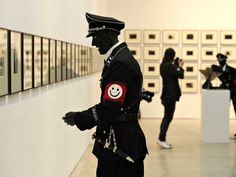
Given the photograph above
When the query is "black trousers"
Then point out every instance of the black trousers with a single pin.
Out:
(169, 109)
(121, 168)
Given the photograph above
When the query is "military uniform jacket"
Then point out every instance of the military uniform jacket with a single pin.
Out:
(170, 75)
(121, 85)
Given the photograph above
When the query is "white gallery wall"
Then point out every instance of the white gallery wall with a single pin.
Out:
(178, 15)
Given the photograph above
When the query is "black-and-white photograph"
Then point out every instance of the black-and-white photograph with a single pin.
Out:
(69, 62)
(45, 61)
(52, 59)
(58, 61)
(64, 57)
(37, 61)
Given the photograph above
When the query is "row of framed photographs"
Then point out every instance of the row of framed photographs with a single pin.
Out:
(28, 61)
(170, 36)
(188, 53)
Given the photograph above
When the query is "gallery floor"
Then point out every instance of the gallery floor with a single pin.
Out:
(188, 158)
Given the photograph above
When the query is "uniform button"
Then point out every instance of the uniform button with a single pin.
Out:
(104, 132)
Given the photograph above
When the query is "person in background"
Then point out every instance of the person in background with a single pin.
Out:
(171, 71)
(120, 144)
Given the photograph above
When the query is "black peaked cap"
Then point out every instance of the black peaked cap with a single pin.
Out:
(221, 56)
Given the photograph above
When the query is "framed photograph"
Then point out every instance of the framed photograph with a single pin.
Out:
(133, 36)
(77, 60)
(209, 37)
(190, 36)
(45, 62)
(151, 53)
(152, 36)
(152, 85)
(27, 61)
(64, 62)
(37, 61)
(151, 69)
(209, 53)
(189, 53)
(73, 64)
(189, 85)
(58, 61)
(3, 62)
(15, 50)
(176, 49)
(69, 63)
(228, 37)
(52, 66)
(229, 51)
(136, 51)
(84, 56)
(190, 69)
(171, 36)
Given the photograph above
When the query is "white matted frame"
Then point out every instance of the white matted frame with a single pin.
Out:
(190, 53)
(45, 62)
(151, 69)
(58, 61)
(191, 69)
(189, 86)
(175, 47)
(209, 53)
(171, 36)
(190, 37)
(229, 51)
(136, 51)
(133, 36)
(152, 85)
(209, 37)
(152, 36)
(52, 57)
(151, 52)
(228, 37)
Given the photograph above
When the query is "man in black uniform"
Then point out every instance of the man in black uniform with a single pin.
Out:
(120, 144)
(227, 78)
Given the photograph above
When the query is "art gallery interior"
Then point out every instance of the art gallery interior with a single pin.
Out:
(34, 139)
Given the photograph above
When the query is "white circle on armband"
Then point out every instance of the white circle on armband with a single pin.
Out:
(115, 91)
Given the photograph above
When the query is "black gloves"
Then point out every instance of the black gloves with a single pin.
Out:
(147, 96)
(69, 118)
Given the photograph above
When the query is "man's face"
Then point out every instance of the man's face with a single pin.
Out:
(222, 61)
(100, 41)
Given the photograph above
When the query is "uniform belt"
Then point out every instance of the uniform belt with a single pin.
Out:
(128, 117)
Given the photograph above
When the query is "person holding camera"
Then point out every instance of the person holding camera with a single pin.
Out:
(171, 71)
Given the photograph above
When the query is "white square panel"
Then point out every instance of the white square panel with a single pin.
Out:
(152, 36)
(133, 36)
(209, 37)
(228, 37)
(189, 85)
(209, 53)
(152, 85)
(136, 51)
(151, 53)
(151, 69)
(229, 51)
(190, 69)
(190, 37)
(170, 36)
(189, 53)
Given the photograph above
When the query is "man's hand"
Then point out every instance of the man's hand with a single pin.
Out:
(69, 118)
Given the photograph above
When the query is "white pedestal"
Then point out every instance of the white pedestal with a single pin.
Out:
(215, 116)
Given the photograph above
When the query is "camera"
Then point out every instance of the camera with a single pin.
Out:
(176, 61)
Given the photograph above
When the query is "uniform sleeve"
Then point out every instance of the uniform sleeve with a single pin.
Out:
(177, 72)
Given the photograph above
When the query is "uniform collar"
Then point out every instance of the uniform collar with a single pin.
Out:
(110, 51)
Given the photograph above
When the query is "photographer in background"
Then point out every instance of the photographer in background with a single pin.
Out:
(171, 70)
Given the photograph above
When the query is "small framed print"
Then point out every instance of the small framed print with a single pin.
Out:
(77, 60)
(209, 37)
(27, 62)
(190, 69)
(189, 85)
(229, 51)
(152, 85)
(58, 61)
(133, 36)
(52, 66)
(228, 37)
(152, 36)
(176, 49)
(63, 56)
(15, 50)
(170, 36)
(73, 64)
(37, 61)
(190, 36)
(68, 65)
(151, 69)
(45, 62)
(151, 53)
(209, 53)
(136, 51)
(3, 62)
(189, 53)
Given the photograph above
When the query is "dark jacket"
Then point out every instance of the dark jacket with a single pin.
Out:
(170, 74)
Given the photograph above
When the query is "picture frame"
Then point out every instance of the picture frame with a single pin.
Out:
(152, 85)
(229, 51)
(209, 37)
(189, 86)
(27, 61)
(190, 53)
(37, 74)
(151, 53)
(68, 60)
(136, 51)
(175, 47)
(171, 36)
(228, 37)
(58, 61)
(209, 53)
(133, 36)
(64, 60)
(190, 37)
(45, 61)
(4, 55)
(15, 61)
(77, 60)
(152, 36)
(151, 69)
(73, 61)
(52, 58)
(190, 69)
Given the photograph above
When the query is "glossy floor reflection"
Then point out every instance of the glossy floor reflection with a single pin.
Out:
(188, 158)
